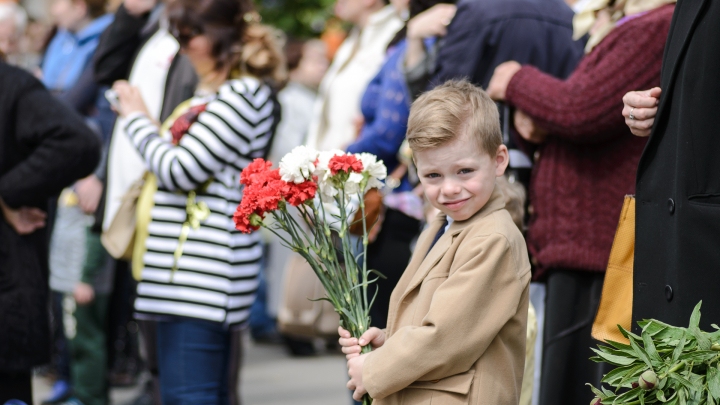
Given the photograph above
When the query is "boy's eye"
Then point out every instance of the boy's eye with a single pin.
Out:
(432, 175)
(466, 171)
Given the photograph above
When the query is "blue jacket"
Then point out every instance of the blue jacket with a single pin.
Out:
(386, 107)
(68, 54)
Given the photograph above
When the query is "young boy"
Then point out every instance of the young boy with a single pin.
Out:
(457, 321)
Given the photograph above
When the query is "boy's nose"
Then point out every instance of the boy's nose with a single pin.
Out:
(451, 188)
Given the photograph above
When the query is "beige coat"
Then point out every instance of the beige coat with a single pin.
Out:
(457, 322)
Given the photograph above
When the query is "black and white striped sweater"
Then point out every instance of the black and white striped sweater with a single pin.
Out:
(217, 274)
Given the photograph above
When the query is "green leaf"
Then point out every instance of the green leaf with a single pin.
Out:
(627, 333)
(678, 349)
(660, 396)
(695, 317)
(703, 341)
(629, 396)
(597, 392)
(652, 327)
(699, 356)
(613, 359)
(640, 352)
(713, 382)
(632, 376)
(617, 374)
(710, 400)
(682, 396)
(650, 349)
(684, 381)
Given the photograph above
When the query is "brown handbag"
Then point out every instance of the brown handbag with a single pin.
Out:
(298, 314)
(617, 294)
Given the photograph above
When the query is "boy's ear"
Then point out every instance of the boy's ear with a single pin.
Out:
(502, 159)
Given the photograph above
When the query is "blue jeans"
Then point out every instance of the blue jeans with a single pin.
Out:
(193, 361)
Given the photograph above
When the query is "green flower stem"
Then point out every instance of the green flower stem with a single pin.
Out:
(674, 369)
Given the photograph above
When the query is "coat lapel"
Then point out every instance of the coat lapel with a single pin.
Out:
(685, 19)
(496, 202)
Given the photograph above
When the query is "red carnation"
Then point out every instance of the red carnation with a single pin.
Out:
(345, 163)
(258, 166)
(182, 124)
(296, 194)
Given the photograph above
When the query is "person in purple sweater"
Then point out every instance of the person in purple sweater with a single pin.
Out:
(585, 161)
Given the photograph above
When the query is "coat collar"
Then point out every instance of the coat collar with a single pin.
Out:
(421, 264)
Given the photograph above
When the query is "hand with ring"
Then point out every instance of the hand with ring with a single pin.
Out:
(640, 110)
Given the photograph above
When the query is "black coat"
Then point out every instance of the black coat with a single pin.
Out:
(44, 147)
(486, 33)
(677, 249)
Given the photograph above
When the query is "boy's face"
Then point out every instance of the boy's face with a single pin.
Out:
(458, 177)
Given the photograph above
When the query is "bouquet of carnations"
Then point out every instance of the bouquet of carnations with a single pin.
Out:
(323, 238)
(665, 364)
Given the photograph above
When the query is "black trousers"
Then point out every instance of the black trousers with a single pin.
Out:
(16, 386)
(390, 255)
(573, 297)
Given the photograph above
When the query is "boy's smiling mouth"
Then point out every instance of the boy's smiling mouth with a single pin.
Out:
(455, 205)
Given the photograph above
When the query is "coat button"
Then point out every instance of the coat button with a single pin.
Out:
(671, 206)
(668, 293)
(536, 155)
(531, 209)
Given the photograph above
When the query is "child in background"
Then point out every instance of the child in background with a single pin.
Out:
(456, 329)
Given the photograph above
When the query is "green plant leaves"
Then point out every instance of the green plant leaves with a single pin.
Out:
(688, 370)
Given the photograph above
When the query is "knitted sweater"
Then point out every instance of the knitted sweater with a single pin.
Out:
(588, 163)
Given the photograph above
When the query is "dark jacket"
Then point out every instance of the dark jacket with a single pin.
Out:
(486, 33)
(677, 256)
(44, 147)
(119, 47)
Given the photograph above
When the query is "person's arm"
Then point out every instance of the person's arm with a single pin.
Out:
(384, 135)
(466, 313)
(114, 54)
(585, 107)
(63, 148)
(220, 137)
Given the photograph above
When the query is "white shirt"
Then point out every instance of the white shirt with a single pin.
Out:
(356, 62)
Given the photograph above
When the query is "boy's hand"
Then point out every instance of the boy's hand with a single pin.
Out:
(84, 293)
(352, 346)
(355, 372)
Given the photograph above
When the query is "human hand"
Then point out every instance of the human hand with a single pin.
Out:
(24, 220)
(643, 107)
(501, 79)
(89, 190)
(83, 293)
(431, 22)
(139, 7)
(355, 366)
(352, 346)
(129, 99)
(527, 129)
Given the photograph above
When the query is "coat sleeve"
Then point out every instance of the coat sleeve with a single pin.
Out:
(114, 54)
(232, 129)
(63, 149)
(467, 311)
(587, 106)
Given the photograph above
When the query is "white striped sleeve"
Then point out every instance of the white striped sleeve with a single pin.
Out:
(231, 129)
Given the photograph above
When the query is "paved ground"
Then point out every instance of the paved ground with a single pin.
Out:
(269, 377)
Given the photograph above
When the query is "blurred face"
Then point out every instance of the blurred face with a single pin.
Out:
(8, 36)
(199, 50)
(68, 14)
(458, 178)
(313, 65)
(354, 11)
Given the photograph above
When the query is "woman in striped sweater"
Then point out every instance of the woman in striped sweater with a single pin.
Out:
(201, 290)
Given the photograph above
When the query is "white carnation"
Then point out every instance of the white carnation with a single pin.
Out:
(298, 165)
(375, 170)
(324, 175)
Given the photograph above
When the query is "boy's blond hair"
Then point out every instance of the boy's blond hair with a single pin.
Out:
(449, 110)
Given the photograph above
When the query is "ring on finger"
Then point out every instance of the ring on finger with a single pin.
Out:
(632, 117)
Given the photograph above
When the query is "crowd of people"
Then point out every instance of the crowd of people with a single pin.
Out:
(124, 129)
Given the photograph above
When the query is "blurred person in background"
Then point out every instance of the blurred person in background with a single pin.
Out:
(337, 115)
(13, 22)
(139, 48)
(201, 301)
(585, 162)
(42, 150)
(307, 63)
(79, 25)
(385, 107)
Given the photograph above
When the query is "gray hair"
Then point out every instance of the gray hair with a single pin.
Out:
(10, 10)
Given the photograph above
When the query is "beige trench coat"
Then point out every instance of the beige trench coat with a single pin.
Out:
(457, 321)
